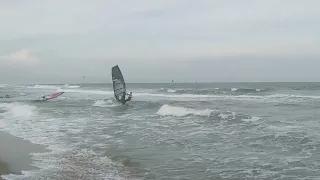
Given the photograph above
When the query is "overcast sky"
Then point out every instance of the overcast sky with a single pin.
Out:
(44, 41)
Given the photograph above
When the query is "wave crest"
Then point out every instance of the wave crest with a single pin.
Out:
(17, 110)
(104, 103)
(67, 86)
(215, 91)
(168, 110)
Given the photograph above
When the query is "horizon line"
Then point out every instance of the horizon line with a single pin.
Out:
(194, 82)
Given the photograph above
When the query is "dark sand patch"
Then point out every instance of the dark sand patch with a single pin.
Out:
(3, 169)
(15, 154)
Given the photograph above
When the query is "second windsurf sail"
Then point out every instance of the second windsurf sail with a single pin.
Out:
(54, 95)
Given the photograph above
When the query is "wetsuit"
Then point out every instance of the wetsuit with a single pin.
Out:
(129, 98)
(126, 100)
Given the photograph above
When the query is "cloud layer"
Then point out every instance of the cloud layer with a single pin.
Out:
(81, 36)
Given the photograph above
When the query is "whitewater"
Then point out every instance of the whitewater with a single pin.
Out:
(193, 131)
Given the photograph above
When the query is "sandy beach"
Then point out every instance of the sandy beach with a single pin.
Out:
(3, 169)
(15, 154)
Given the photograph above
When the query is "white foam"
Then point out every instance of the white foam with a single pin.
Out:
(224, 116)
(86, 91)
(71, 86)
(196, 97)
(168, 110)
(17, 110)
(291, 96)
(231, 115)
(252, 119)
(44, 87)
(234, 89)
(38, 86)
(187, 97)
(137, 94)
(172, 95)
(25, 121)
(284, 128)
(104, 103)
(171, 90)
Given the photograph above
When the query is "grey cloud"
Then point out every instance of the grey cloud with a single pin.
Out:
(160, 37)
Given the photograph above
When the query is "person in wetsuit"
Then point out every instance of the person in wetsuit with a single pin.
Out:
(123, 100)
(6, 96)
(130, 96)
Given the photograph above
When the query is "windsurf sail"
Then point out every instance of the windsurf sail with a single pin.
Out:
(54, 95)
(119, 86)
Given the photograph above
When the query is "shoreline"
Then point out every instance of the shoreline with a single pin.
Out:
(15, 154)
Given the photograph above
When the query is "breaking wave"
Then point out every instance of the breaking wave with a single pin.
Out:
(104, 103)
(215, 115)
(186, 95)
(17, 110)
(215, 91)
(71, 86)
(67, 86)
(251, 119)
(168, 110)
(82, 91)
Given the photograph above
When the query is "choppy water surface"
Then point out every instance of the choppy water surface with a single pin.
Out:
(191, 131)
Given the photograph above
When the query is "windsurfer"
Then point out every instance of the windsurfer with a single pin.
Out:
(48, 97)
(43, 98)
(130, 96)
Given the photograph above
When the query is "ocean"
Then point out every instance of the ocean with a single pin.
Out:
(210, 131)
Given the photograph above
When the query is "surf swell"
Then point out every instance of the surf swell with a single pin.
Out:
(215, 91)
(66, 86)
(83, 91)
(214, 115)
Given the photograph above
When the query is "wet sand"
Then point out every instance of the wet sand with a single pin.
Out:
(14, 154)
(3, 169)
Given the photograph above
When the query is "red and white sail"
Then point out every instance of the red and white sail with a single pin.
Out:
(54, 95)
